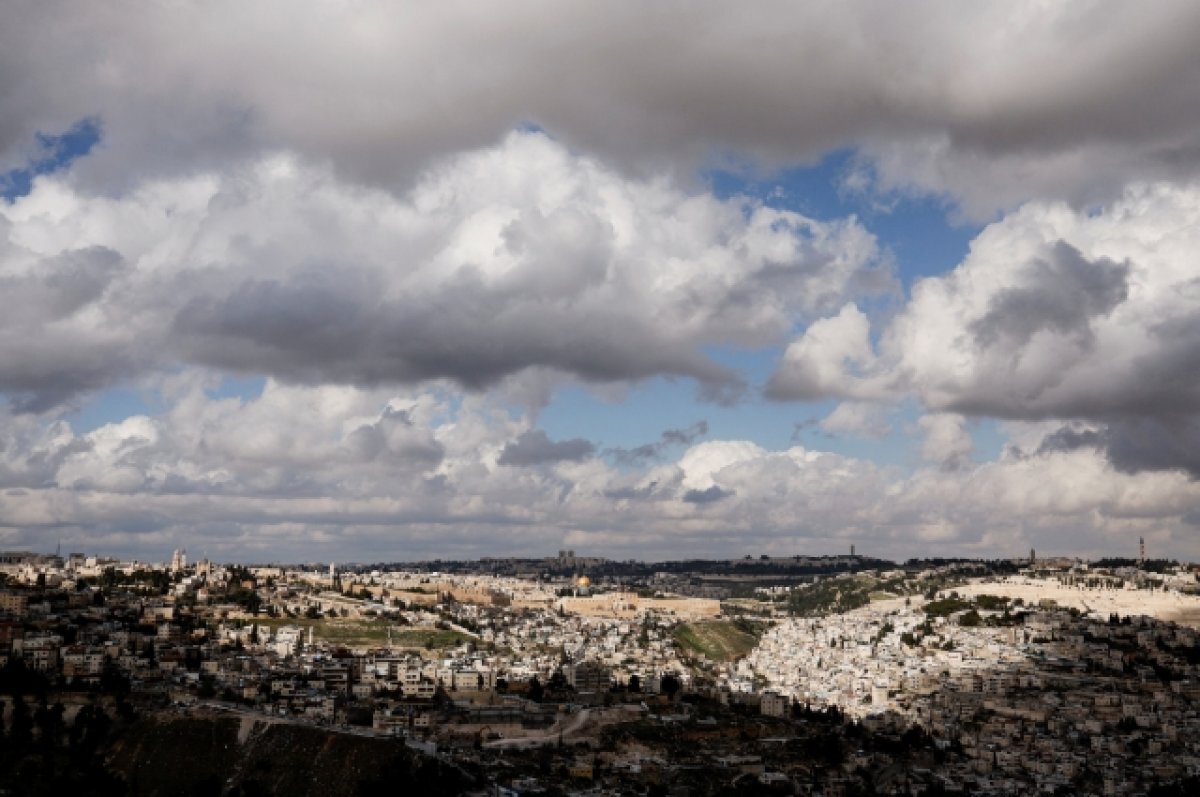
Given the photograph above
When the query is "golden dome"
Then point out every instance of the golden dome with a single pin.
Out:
(583, 581)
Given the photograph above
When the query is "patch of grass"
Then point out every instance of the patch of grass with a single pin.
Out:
(718, 640)
(432, 638)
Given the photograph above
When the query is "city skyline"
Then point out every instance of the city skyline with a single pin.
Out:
(378, 284)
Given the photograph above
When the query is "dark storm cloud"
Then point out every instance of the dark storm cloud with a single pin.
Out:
(1069, 438)
(536, 448)
(1133, 445)
(1168, 380)
(1065, 100)
(1155, 444)
(335, 328)
(1061, 294)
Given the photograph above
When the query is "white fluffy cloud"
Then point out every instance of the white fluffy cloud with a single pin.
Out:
(329, 471)
(335, 199)
(1054, 314)
(833, 357)
(858, 419)
(515, 257)
(947, 442)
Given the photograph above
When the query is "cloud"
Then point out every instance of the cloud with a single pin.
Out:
(1062, 295)
(631, 493)
(832, 358)
(1136, 444)
(49, 347)
(947, 442)
(1055, 315)
(978, 102)
(708, 496)
(1060, 314)
(517, 258)
(857, 419)
(668, 439)
(292, 469)
(285, 194)
(536, 448)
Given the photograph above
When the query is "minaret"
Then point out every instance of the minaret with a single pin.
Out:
(1141, 551)
(1032, 557)
(851, 549)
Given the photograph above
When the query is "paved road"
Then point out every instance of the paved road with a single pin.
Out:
(273, 719)
(550, 736)
(565, 728)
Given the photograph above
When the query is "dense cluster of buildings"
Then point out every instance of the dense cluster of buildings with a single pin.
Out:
(993, 695)
(1030, 701)
(435, 653)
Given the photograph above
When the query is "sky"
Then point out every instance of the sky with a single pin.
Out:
(379, 282)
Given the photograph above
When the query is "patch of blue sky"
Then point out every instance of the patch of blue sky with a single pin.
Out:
(245, 388)
(896, 445)
(653, 406)
(53, 153)
(989, 439)
(919, 230)
(118, 403)
(113, 406)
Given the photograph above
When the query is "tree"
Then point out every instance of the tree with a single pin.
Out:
(20, 733)
(536, 691)
(635, 683)
(670, 685)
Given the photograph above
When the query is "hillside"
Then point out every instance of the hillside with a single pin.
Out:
(165, 755)
(717, 640)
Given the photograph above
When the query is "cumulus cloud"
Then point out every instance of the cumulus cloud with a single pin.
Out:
(947, 442)
(340, 204)
(292, 469)
(518, 257)
(832, 358)
(1062, 295)
(973, 100)
(1054, 315)
(858, 419)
